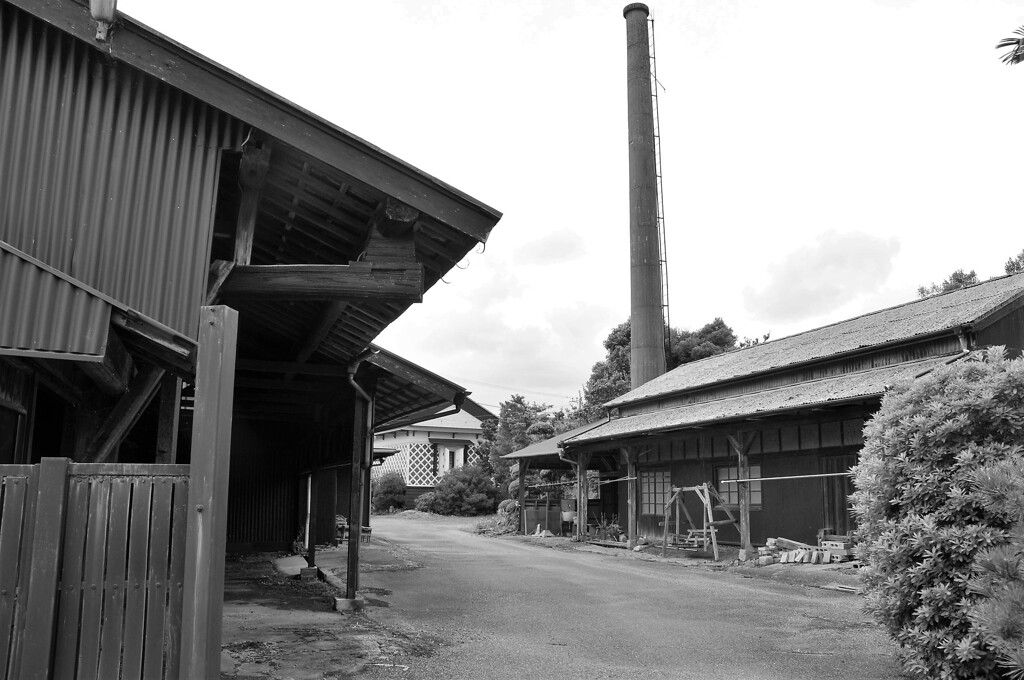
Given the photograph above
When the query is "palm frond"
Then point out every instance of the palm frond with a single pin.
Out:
(1016, 45)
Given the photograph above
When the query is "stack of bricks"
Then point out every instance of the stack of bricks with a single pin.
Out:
(784, 551)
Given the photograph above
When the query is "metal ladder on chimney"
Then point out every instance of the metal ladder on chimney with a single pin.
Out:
(662, 245)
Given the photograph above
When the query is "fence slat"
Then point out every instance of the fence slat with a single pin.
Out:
(75, 530)
(92, 585)
(138, 563)
(176, 577)
(159, 543)
(115, 579)
(15, 490)
(36, 647)
(24, 560)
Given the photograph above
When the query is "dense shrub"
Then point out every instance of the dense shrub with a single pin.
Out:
(388, 492)
(999, 571)
(921, 519)
(466, 491)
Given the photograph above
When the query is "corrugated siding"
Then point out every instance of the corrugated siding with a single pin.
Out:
(106, 174)
(42, 313)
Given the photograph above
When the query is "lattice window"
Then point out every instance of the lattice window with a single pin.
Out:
(422, 464)
(731, 492)
(473, 456)
(655, 490)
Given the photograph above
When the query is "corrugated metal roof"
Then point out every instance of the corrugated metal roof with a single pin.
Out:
(919, 318)
(552, 446)
(815, 393)
(44, 314)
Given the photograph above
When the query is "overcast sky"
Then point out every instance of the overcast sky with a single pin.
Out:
(821, 159)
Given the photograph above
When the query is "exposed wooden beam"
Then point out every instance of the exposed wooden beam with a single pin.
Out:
(167, 421)
(111, 375)
(420, 378)
(355, 281)
(54, 375)
(328, 317)
(252, 174)
(159, 343)
(219, 270)
(124, 415)
(395, 218)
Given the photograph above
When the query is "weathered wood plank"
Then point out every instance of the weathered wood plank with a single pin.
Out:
(355, 281)
(71, 592)
(156, 590)
(92, 582)
(167, 419)
(44, 569)
(176, 577)
(15, 494)
(115, 579)
(252, 173)
(208, 491)
(25, 560)
(127, 470)
(138, 562)
(218, 274)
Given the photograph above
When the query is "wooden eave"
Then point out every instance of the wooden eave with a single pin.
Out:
(136, 45)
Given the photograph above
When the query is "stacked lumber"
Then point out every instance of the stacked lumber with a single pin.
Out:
(784, 551)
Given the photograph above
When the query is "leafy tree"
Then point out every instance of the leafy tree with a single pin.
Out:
(1015, 265)
(388, 491)
(509, 433)
(955, 281)
(922, 520)
(686, 346)
(465, 491)
(1016, 45)
(610, 378)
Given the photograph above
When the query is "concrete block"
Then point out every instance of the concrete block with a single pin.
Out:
(308, 573)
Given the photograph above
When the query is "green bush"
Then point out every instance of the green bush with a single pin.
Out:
(921, 519)
(388, 492)
(465, 491)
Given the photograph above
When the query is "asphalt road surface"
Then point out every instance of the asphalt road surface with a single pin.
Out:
(485, 608)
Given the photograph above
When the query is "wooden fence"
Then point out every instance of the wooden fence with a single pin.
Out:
(92, 570)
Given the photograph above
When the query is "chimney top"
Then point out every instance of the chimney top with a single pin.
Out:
(636, 6)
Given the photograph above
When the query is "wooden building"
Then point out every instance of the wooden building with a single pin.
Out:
(792, 407)
(191, 272)
(425, 449)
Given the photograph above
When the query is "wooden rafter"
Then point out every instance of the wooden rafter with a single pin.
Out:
(124, 415)
(252, 173)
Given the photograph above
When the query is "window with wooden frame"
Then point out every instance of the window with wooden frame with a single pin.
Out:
(731, 492)
(655, 490)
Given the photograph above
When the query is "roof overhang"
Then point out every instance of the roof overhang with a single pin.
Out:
(825, 393)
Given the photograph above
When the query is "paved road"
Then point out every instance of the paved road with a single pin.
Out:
(504, 609)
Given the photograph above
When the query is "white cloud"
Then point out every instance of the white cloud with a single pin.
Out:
(815, 279)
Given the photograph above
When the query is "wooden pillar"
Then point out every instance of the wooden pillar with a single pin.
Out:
(582, 493)
(362, 451)
(314, 515)
(252, 173)
(44, 571)
(741, 444)
(203, 595)
(524, 467)
(167, 423)
(631, 496)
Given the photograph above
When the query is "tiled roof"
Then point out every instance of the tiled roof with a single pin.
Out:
(904, 322)
(843, 388)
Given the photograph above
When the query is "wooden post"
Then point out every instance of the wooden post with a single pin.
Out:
(203, 592)
(742, 447)
(583, 493)
(314, 515)
(362, 449)
(167, 423)
(631, 497)
(524, 467)
(43, 591)
(252, 173)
